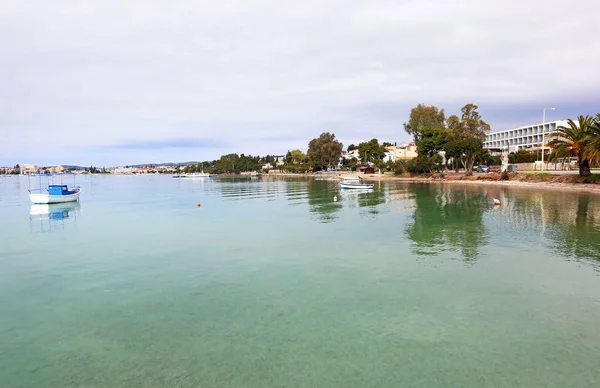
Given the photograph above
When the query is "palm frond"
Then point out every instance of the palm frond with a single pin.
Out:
(593, 149)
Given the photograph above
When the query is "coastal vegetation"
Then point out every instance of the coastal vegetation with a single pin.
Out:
(579, 139)
(460, 139)
(443, 144)
(324, 152)
(522, 156)
(231, 163)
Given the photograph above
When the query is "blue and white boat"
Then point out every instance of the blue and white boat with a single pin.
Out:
(53, 192)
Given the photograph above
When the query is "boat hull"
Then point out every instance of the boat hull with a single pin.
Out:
(200, 175)
(357, 185)
(47, 198)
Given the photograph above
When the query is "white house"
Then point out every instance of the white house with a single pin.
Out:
(29, 169)
(388, 156)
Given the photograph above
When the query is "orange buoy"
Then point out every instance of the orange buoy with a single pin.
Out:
(198, 205)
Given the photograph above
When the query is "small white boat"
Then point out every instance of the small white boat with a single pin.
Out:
(193, 175)
(357, 185)
(54, 193)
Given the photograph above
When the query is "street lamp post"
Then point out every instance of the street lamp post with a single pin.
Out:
(544, 132)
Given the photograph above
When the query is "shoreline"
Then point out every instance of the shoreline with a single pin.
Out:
(580, 187)
(460, 179)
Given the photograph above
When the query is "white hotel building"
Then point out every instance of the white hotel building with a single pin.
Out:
(526, 137)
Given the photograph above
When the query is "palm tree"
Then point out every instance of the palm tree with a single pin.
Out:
(563, 155)
(575, 139)
(594, 148)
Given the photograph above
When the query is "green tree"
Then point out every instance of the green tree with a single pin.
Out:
(464, 150)
(386, 144)
(324, 151)
(350, 164)
(577, 138)
(371, 151)
(298, 157)
(352, 147)
(424, 118)
(594, 146)
(227, 163)
(464, 137)
(484, 157)
(522, 156)
(332, 152)
(472, 122)
(562, 155)
(427, 126)
(432, 141)
(248, 162)
(422, 164)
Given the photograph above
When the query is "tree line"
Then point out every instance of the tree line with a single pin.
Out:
(232, 164)
(459, 138)
(452, 142)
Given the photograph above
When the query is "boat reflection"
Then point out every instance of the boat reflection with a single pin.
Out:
(48, 217)
(368, 200)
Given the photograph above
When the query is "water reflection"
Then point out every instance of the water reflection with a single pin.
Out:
(368, 200)
(320, 195)
(573, 226)
(462, 219)
(246, 187)
(448, 219)
(49, 217)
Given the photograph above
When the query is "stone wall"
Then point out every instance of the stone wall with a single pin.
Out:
(537, 166)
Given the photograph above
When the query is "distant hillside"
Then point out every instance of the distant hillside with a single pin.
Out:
(73, 167)
(66, 167)
(169, 164)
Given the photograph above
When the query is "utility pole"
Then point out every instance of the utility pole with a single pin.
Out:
(544, 132)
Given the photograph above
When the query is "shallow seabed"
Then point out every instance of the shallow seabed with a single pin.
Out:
(270, 283)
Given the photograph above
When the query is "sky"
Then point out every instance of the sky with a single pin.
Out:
(110, 83)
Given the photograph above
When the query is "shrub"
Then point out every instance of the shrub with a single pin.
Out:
(522, 156)
(538, 175)
(420, 165)
(594, 178)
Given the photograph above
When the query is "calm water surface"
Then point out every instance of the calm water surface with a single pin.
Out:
(270, 283)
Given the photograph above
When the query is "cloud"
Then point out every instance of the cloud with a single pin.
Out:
(79, 75)
(168, 143)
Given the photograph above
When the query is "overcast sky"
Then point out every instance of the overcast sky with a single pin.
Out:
(121, 82)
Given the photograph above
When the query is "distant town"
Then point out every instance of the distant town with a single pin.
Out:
(266, 164)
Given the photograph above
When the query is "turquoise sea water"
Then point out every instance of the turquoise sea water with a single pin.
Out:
(270, 283)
